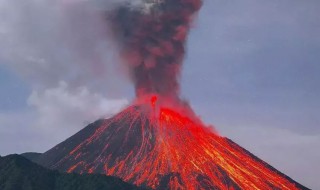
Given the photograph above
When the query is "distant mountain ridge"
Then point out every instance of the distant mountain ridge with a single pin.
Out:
(19, 173)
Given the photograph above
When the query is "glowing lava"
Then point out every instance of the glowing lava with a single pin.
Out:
(169, 151)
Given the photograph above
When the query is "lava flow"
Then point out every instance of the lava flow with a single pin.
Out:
(155, 146)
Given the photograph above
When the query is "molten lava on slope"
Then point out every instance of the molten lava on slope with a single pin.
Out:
(157, 147)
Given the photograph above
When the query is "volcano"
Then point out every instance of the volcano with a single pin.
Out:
(160, 147)
(158, 142)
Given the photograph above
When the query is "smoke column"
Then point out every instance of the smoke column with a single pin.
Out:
(152, 40)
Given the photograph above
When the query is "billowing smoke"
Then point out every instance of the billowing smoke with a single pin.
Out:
(152, 40)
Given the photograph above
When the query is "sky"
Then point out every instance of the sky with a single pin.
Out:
(251, 71)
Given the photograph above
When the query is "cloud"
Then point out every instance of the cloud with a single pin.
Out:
(54, 115)
(61, 49)
(49, 41)
(61, 107)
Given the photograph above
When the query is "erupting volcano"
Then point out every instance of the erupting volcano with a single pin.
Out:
(158, 142)
(155, 146)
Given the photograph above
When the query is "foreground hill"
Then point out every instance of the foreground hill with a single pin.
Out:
(32, 156)
(18, 173)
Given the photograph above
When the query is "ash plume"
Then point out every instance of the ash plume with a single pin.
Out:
(152, 41)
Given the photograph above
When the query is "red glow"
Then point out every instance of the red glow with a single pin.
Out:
(173, 144)
(154, 101)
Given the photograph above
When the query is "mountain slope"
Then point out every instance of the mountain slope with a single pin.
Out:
(18, 173)
(163, 149)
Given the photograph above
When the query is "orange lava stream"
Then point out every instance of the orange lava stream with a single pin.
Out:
(191, 154)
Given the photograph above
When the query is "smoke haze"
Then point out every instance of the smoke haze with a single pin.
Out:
(51, 41)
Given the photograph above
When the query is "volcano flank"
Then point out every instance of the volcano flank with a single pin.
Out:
(160, 148)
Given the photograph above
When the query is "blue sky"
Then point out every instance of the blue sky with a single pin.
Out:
(258, 59)
(252, 71)
(14, 90)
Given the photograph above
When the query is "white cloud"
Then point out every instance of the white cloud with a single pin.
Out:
(62, 107)
(54, 115)
(62, 111)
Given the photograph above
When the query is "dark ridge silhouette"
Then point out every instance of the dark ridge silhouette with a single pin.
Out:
(19, 173)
